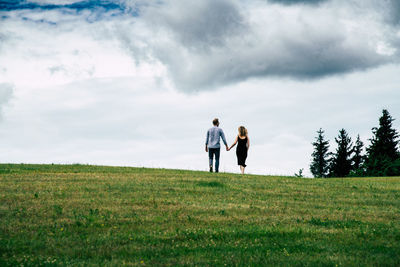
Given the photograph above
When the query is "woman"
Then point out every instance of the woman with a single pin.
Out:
(243, 146)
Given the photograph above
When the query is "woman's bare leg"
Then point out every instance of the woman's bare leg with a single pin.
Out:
(242, 169)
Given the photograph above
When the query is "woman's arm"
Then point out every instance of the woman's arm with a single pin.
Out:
(234, 143)
(248, 143)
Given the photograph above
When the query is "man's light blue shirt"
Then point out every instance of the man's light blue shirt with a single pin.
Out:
(213, 135)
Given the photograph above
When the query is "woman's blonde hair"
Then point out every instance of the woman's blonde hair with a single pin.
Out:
(242, 131)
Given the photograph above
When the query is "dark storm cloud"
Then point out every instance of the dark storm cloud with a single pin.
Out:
(394, 10)
(199, 24)
(293, 60)
(212, 43)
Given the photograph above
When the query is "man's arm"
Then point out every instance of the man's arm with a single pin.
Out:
(223, 139)
(208, 134)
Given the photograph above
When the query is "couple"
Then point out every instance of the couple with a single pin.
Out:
(213, 147)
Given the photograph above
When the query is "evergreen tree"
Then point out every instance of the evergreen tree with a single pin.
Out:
(340, 165)
(319, 164)
(382, 154)
(358, 158)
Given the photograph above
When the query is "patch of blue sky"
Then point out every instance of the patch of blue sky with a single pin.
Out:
(96, 6)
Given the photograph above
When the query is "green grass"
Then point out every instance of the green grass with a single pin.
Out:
(112, 216)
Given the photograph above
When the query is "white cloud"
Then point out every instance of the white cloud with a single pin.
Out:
(6, 93)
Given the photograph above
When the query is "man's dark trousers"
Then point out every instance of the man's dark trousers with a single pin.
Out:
(211, 153)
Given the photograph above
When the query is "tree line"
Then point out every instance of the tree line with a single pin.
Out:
(381, 157)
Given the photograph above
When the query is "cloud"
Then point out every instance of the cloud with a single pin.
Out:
(393, 9)
(6, 92)
(293, 2)
(203, 50)
(209, 44)
(198, 25)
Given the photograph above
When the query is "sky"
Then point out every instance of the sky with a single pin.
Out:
(138, 83)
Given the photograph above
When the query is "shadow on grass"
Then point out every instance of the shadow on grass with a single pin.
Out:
(340, 224)
(211, 184)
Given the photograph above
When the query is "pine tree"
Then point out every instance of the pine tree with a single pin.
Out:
(340, 165)
(358, 158)
(319, 164)
(383, 153)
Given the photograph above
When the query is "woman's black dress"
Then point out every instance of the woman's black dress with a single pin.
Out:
(241, 151)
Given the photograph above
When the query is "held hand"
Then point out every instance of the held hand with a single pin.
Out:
(206, 149)
(227, 148)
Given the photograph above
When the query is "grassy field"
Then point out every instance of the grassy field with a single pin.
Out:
(112, 216)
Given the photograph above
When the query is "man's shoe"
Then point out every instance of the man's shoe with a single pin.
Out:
(210, 168)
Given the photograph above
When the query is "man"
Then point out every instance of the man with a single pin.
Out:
(212, 144)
